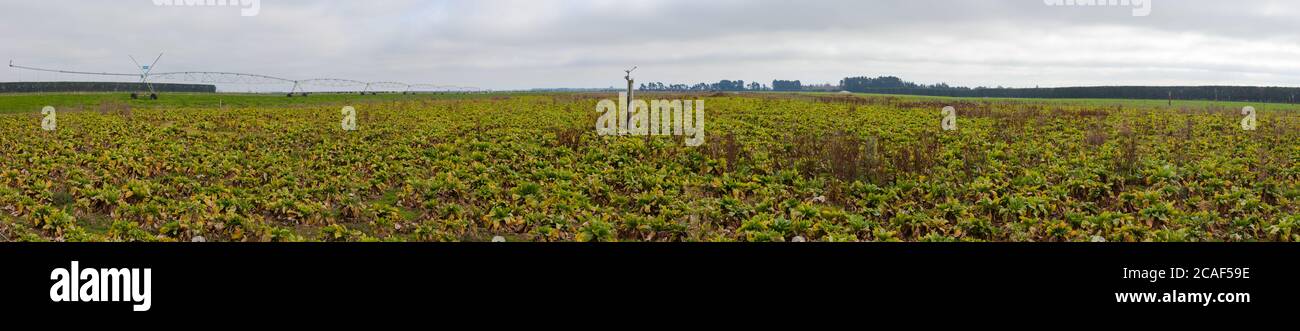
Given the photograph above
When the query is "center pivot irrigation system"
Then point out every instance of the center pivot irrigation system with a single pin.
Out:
(147, 77)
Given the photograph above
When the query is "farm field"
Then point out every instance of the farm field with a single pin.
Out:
(530, 167)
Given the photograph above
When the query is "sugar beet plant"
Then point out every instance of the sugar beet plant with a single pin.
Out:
(531, 168)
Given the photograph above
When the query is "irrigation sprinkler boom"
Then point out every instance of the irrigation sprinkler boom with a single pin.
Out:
(216, 77)
(391, 86)
(12, 65)
(332, 82)
(147, 77)
(211, 77)
(413, 88)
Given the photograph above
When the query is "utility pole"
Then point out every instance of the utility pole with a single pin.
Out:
(628, 106)
(630, 81)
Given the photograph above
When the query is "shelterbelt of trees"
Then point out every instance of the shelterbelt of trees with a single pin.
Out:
(895, 85)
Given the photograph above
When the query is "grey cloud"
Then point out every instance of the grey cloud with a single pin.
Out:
(507, 44)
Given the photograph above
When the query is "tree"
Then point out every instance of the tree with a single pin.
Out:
(787, 85)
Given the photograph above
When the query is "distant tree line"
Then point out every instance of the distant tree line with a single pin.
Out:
(787, 85)
(896, 85)
(1219, 93)
(724, 85)
(855, 84)
(863, 84)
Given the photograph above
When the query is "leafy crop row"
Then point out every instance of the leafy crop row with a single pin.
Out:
(531, 168)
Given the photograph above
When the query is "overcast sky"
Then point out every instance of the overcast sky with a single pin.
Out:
(518, 44)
